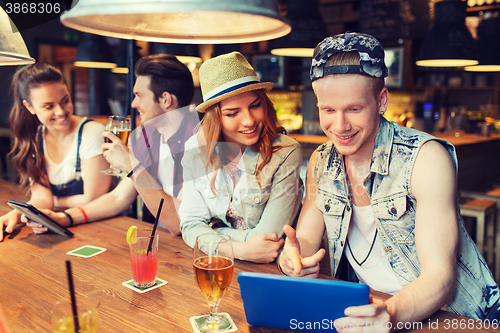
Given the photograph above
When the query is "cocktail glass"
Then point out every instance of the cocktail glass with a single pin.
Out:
(88, 316)
(144, 264)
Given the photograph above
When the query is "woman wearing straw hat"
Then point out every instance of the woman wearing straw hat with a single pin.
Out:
(241, 175)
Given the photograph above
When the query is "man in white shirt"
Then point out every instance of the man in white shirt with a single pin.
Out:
(163, 92)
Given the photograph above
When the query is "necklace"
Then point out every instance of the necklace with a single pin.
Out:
(371, 248)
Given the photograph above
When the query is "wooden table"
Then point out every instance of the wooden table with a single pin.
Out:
(33, 277)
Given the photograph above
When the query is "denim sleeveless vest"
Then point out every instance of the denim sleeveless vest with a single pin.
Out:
(476, 294)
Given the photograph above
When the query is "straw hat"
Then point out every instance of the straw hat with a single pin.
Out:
(225, 76)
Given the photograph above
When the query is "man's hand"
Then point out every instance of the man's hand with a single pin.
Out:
(291, 261)
(116, 153)
(372, 317)
(8, 221)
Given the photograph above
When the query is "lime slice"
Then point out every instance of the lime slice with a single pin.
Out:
(132, 235)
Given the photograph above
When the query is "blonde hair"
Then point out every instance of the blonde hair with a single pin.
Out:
(210, 130)
(352, 58)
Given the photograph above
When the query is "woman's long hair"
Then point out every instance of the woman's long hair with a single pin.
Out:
(211, 131)
(27, 155)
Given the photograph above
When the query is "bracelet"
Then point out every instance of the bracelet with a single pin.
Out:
(69, 218)
(84, 215)
(134, 170)
(278, 264)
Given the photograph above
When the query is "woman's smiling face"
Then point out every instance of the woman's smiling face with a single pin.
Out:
(242, 119)
(51, 103)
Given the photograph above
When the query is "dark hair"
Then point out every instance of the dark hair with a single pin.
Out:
(168, 74)
(352, 58)
(28, 157)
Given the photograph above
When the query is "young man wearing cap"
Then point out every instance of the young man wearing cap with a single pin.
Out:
(387, 197)
(163, 91)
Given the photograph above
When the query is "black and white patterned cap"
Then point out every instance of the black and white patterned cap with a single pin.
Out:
(370, 52)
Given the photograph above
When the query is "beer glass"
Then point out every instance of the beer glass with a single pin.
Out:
(119, 126)
(213, 265)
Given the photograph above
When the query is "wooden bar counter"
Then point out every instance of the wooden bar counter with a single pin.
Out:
(478, 156)
(33, 278)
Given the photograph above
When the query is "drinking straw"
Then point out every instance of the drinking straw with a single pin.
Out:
(151, 158)
(72, 294)
(154, 226)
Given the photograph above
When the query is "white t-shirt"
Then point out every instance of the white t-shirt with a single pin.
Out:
(166, 168)
(90, 146)
(376, 271)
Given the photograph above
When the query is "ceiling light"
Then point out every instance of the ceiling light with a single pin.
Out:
(13, 51)
(179, 21)
(488, 45)
(94, 52)
(449, 43)
(308, 29)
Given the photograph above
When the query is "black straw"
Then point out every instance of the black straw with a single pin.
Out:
(154, 226)
(134, 169)
(72, 294)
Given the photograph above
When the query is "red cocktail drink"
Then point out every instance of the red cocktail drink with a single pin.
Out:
(144, 264)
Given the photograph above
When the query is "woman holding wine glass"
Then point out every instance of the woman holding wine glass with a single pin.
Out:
(58, 155)
(241, 175)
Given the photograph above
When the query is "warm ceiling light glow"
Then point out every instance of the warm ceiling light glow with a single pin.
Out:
(91, 64)
(119, 70)
(188, 59)
(179, 21)
(294, 52)
(446, 62)
(483, 68)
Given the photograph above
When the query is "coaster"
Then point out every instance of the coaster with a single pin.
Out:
(226, 317)
(86, 251)
(130, 284)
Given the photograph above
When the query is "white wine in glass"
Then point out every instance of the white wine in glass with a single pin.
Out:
(119, 126)
(213, 265)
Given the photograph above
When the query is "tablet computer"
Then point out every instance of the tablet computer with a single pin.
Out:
(295, 303)
(37, 216)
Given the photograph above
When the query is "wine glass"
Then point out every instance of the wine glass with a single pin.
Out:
(119, 126)
(213, 265)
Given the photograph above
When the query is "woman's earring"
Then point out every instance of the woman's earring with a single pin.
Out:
(382, 112)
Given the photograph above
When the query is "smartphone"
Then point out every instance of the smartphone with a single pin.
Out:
(37, 216)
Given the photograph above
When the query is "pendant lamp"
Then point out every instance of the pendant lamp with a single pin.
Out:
(488, 46)
(13, 51)
(186, 53)
(449, 43)
(121, 57)
(308, 29)
(93, 52)
(179, 21)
